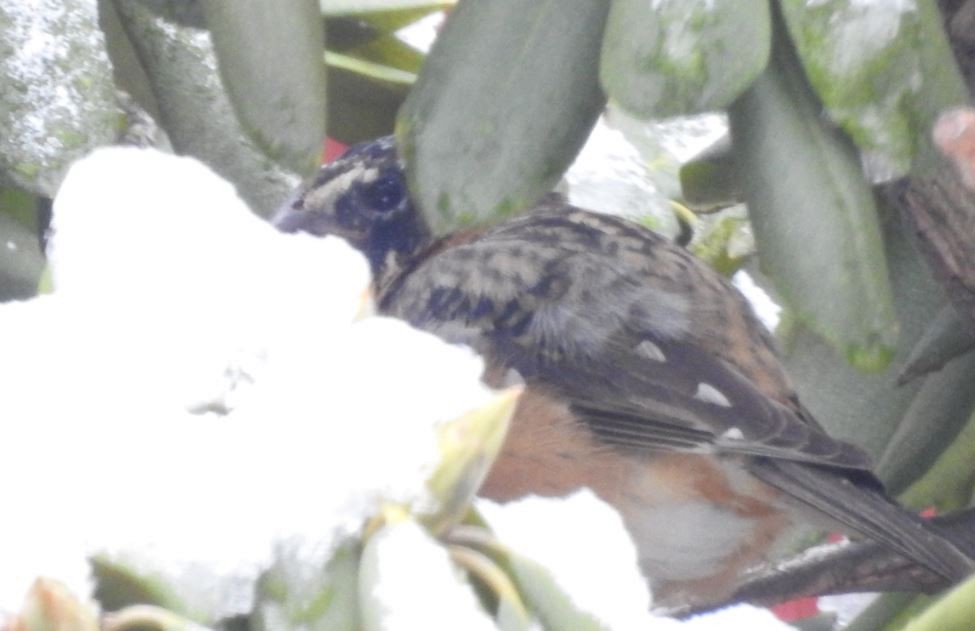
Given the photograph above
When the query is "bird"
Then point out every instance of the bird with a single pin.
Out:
(647, 378)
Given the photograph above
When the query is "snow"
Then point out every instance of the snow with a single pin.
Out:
(767, 310)
(200, 389)
(219, 367)
(582, 541)
(441, 600)
(552, 531)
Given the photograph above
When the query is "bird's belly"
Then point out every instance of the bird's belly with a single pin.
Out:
(697, 520)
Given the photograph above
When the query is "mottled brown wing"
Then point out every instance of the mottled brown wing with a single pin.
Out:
(585, 307)
(588, 307)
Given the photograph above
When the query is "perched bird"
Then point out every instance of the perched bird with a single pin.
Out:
(647, 378)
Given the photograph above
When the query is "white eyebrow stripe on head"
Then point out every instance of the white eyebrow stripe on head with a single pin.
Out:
(324, 196)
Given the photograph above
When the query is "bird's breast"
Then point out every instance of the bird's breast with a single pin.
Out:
(697, 520)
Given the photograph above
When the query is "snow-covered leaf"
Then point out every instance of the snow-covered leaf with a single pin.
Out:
(668, 58)
(947, 336)
(883, 70)
(58, 101)
(296, 592)
(394, 597)
(195, 110)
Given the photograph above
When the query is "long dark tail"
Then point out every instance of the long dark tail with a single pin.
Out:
(867, 511)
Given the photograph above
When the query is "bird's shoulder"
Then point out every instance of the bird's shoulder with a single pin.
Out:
(652, 348)
(563, 271)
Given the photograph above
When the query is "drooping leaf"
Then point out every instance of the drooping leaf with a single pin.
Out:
(468, 448)
(204, 595)
(119, 585)
(551, 604)
(948, 484)
(512, 614)
(270, 58)
(956, 610)
(683, 57)
(503, 103)
(815, 221)
(884, 71)
(370, 70)
(936, 415)
(866, 408)
(948, 336)
(194, 108)
(710, 179)
(357, 38)
(363, 105)
(21, 258)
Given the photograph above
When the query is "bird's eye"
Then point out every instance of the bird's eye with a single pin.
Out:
(385, 192)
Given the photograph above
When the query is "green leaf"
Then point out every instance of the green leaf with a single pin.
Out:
(21, 259)
(468, 447)
(881, 612)
(955, 611)
(710, 179)
(725, 242)
(197, 114)
(547, 600)
(372, 23)
(947, 484)
(295, 593)
(815, 222)
(932, 423)
(866, 408)
(362, 106)
(503, 103)
(884, 71)
(119, 585)
(511, 615)
(354, 37)
(948, 336)
(125, 580)
(369, 69)
(669, 58)
(270, 60)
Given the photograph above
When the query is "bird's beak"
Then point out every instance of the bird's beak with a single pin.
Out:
(287, 218)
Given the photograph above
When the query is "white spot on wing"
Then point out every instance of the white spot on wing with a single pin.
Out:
(651, 351)
(733, 434)
(709, 394)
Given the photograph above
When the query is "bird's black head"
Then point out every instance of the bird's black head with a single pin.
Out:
(361, 197)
